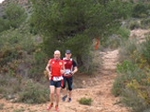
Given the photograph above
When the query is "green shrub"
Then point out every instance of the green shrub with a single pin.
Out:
(145, 51)
(127, 49)
(3, 90)
(133, 84)
(145, 23)
(33, 92)
(91, 64)
(138, 53)
(115, 40)
(112, 42)
(85, 101)
(9, 54)
(15, 48)
(133, 81)
(118, 85)
(15, 14)
(17, 40)
(126, 66)
(133, 100)
(40, 58)
(136, 93)
(124, 33)
(128, 75)
(139, 10)
(4, 80)
(27, 90)
(9, 85)
(134, 25)
(4, 24)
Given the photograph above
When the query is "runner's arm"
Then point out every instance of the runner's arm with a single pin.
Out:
(75, 68)
(63, 68)
(48, 69)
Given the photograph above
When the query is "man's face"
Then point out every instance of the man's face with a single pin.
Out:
(57, 55)
(68, 55)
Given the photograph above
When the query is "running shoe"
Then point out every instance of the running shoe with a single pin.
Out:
(56, 108)
(50, 106)
(64, 98)
(69, 100)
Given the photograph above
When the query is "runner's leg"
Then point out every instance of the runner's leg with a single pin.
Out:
(64, 91)
(58, 89)
(52, 92)
(70, 84)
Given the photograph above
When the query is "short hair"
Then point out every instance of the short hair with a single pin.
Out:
(56, 52)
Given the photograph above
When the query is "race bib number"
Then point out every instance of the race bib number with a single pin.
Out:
(68, 72)
(57, 78)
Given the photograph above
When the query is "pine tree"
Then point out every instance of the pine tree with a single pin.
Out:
(72, 24)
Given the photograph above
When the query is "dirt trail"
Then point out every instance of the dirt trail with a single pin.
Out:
(98, 88)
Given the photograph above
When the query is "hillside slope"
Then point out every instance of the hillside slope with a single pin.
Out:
(98, 88)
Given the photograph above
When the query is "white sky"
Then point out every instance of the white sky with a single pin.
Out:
(1, 1)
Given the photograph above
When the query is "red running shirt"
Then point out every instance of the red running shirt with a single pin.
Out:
(56, 65)
(69, 63)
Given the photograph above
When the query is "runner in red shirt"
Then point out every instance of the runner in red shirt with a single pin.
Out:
(70, 69)
(55, 69)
